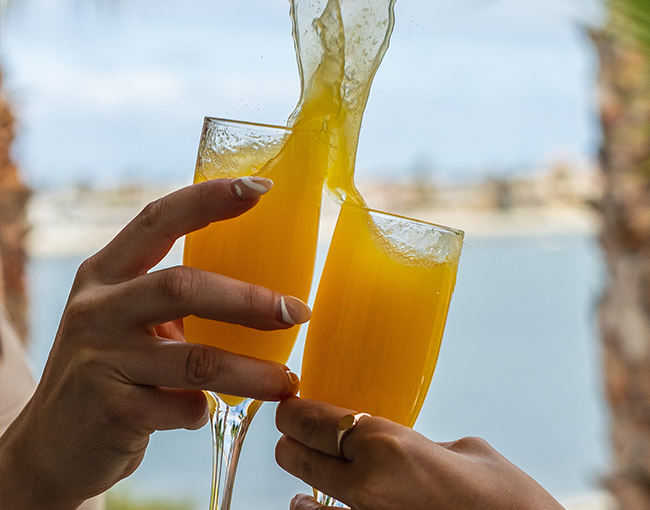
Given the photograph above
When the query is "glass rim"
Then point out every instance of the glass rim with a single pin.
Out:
(436, 226)
(246, 123)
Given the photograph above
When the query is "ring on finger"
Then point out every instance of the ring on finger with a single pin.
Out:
(344, 427)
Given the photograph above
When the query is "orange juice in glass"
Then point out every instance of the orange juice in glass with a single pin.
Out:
(273, 245)
(380, 312)
(379, 315)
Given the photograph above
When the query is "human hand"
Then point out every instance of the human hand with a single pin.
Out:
(119, 368)
(391, 467)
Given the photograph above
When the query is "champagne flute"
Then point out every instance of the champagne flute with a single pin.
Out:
(273, 245)
(379, 315)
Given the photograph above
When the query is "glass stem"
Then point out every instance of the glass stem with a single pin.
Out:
(326, 500)
(229, 426)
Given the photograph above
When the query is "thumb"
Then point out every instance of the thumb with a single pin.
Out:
(305, 502)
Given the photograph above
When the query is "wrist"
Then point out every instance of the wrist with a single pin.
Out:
(23, 486)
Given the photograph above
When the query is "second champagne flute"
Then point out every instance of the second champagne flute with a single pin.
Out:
(379, 315)
(272, 245)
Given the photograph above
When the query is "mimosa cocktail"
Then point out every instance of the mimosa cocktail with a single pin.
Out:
(273, 245)
(379, 314)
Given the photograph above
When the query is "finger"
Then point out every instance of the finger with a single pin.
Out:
(305, 502)
(177, 292)
(155, 408)
(147, 239)
(330, 475)
(312, 423)
(202, 367)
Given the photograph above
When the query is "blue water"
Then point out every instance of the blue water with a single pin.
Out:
(519, 366)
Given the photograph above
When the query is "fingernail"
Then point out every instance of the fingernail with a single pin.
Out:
(251, 187)
(294, 384)
(293, 311)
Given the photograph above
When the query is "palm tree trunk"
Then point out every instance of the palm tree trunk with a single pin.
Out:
(13, 225)
(625, 238)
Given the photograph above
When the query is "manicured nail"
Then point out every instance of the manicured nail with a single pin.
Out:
(251, 187)
(294, 384)
(293, 311)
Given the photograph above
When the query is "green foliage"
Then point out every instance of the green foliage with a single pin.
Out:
(122, 499)
(631, 18)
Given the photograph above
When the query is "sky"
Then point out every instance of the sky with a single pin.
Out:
(107, 92)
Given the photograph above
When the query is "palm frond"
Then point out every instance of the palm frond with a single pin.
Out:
(631, 20)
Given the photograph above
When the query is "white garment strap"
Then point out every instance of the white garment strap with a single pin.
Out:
(16, 380)
(17, 386)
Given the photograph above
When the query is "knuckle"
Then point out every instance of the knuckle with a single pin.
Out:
(177, 284)
(381, 444)
(470, 444)
(391, 445)
(87, 361)
(80, 312)
(200, 194)
(117, 411)
(202, 365)
(309, 425)
(150, 216)
(124, 408)
(151, 220)
(271, 380)
(254, 298)
(87, 269)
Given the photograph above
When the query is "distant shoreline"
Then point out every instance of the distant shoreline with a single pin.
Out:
(78, 222)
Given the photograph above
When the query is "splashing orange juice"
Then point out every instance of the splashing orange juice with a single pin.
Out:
(339, 51)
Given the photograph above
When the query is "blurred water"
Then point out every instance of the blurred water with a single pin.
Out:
(519, 366)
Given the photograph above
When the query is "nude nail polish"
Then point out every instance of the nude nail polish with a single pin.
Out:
(293, 311)
(251, 187)
(294, 383)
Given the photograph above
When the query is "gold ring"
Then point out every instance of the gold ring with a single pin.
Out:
(345, 426)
